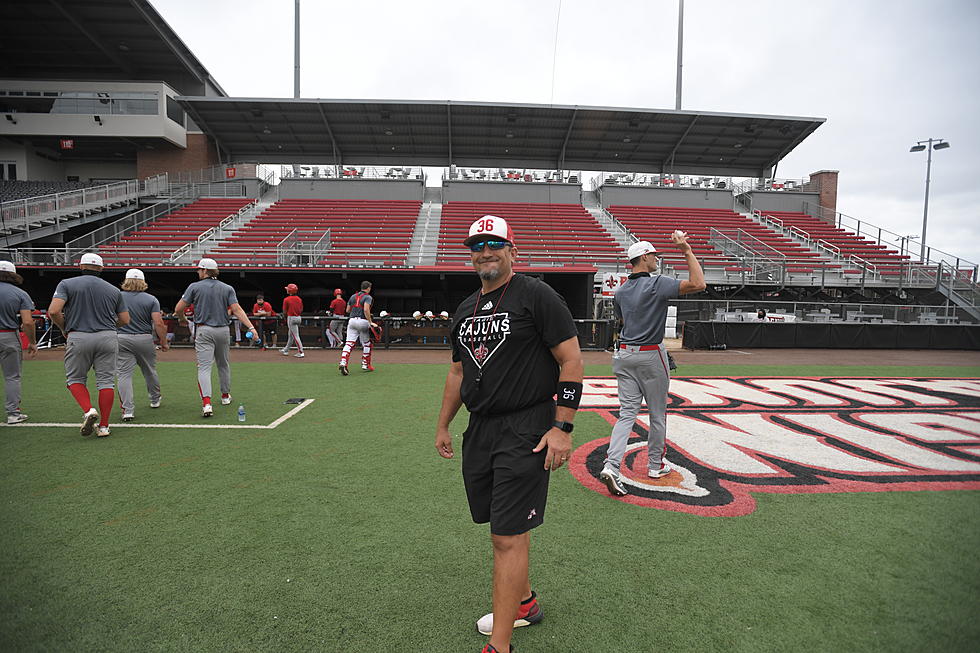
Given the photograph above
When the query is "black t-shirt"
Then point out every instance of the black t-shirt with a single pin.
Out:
(510, 350)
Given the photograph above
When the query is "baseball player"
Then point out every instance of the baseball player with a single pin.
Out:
(88, 310)
(292, 308)
(136, 343)
(359, 327)
(515, 347)
(640, 361)
(16, 309)
(263, 309)
(338, 308)
(212, 300)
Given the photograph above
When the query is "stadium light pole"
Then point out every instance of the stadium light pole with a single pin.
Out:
(680, 52)
(929, 145)
(296, 55)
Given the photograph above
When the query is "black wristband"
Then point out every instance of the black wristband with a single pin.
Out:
(569, 394)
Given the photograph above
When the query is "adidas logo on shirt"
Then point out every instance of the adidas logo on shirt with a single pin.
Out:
(487, 306)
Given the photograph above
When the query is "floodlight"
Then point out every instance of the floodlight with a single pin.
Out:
(917, 148)
(940, 146)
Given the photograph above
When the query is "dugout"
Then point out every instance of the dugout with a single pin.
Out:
(398, 291)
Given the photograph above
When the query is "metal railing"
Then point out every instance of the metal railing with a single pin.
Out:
(212, 234)
(659, 181)
(746, 310)
(121, 227)
(779, 185)
(904, 245)
(818, 244)
(297, 248)
(23, 215)
(351, 172)
(29, 213)
(512, 175)
(767, 264)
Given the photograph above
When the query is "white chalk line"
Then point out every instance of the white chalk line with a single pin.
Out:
(199, 425)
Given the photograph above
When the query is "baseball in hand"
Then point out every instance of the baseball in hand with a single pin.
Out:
(678, 234)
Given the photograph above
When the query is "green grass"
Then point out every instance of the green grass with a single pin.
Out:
(342, 530)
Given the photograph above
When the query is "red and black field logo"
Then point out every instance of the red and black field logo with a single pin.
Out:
(729, 438)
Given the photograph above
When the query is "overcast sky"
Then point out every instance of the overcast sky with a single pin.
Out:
(884, 74)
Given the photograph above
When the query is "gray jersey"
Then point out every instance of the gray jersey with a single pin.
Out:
(91, 304)
(211, 299)
(13, 300)
(142, 306)
(641, 303)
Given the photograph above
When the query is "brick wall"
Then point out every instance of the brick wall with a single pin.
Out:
(200, 153)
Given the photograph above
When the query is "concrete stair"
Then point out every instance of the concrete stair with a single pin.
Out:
(424, 246)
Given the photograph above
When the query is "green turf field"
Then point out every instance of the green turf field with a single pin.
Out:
(342, 530)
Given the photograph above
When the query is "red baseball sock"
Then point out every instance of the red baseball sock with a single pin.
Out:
(80, 393)
(106, 397)
(225, 395)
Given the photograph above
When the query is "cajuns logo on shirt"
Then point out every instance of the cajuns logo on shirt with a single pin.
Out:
(482, 335)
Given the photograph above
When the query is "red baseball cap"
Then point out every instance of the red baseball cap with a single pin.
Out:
(489, 226)
(292, 287)
(338, 291)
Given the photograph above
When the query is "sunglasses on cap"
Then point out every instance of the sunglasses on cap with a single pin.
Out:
(492, 244)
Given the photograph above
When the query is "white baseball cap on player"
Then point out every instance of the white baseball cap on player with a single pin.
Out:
(135, 274)
(489, 226)
(417, 314)
(207, 264)
(639, 249)
(7, 266)
(444, 314)
(383, 314)
(429, 314)
(89, 258)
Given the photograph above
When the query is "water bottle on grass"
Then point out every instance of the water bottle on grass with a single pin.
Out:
(241, 413)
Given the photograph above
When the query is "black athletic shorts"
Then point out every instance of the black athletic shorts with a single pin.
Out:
(506, 482)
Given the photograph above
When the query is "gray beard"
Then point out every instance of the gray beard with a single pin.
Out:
(489, 275)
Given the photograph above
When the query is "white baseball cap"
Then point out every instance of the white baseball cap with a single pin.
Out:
(7, 266)
(89, 258)
(489, 226)
(444, 314)
(639, 249)
(417, 314)
(135, 274)
(207, 264)
(383, 314)
(429, 314)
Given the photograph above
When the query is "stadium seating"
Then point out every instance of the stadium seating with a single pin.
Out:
(885, 260)
(657, 223)
(546, 234)
(160, 238)
(362, 232)
(19, 190)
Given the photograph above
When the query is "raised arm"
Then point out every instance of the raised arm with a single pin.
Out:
(695, 275)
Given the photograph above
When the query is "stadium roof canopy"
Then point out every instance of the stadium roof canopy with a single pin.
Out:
(478, 134)
(96, 40)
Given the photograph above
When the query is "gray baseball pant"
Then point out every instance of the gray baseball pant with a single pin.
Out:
(136, 350)
(85, 351)
(211, 344)
(293, 322)
(640, 375)
(12, 360)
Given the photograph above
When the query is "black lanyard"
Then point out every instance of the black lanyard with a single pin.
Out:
(476, 307)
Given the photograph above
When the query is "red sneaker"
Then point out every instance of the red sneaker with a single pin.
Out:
(528, 614)
(490, 649)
